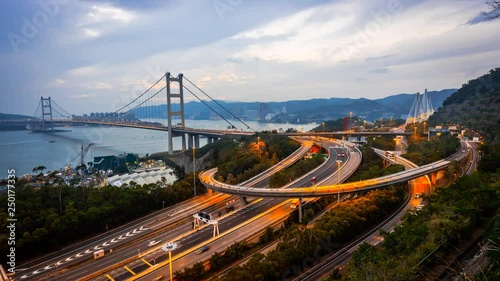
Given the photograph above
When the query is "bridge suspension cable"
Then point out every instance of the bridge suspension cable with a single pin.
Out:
(125, 106)
(62, 109)
(37, 108)
(248, 127)
(209, 106)
(62, 115)
(141, 103)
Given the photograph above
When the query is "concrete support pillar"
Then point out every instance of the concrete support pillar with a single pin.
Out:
(210, 192)
(190, 140)
(243, 200)
(300, 210)
(183, 142)
(197, 141)
(433, 178)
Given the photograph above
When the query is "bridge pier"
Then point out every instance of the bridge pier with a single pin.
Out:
(197, 141)
(300, 210)
(243, 200)
(433, 178)
(193, 140)
(184, 142)
(190, 140)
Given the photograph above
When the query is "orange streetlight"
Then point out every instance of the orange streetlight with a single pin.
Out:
(169, 248)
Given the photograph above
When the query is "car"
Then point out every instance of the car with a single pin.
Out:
(342, 154)
(153, 242)
(202, 249)
(313, 179)
(417, 195)
(229, 209)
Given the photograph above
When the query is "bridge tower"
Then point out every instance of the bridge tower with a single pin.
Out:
(173, 93)
(421, 109)
(46, 113)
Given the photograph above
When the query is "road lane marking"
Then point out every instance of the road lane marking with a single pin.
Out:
(129, 270)
(146, 262)
(109, 277)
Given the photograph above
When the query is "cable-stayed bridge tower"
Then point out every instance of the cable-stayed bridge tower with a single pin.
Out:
(421, 109)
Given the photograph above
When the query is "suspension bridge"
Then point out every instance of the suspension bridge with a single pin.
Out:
(146, 111)
(165, 100)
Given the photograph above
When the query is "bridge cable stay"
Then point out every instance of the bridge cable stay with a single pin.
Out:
(248, 127)
(209, 106)
(141, 95)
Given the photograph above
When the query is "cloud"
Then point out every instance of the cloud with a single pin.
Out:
(83, 71)
(379, 70)
(232, 78)
(379, 57)
(100, 86)
(107, 13)
(104, 19)
(261, 51)
(283, 26)
(81, 96)
(90, 32)
(203, 80)
(59, 82)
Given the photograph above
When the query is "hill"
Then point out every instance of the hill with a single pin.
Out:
(475, 105)
(4, 116)
(304, 111)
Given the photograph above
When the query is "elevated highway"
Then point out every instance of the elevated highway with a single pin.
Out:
(76, 262)
(207, 178)
(248, 221)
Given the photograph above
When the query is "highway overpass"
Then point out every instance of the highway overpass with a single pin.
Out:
(207, 178)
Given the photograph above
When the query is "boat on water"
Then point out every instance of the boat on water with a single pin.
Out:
(51, 141)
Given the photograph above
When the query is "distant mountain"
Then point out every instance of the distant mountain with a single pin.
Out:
(4, 116)
(475, 105)
(301, 111)
(399, 103)
(6, 126)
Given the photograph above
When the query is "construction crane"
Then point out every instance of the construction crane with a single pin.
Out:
(81, 165)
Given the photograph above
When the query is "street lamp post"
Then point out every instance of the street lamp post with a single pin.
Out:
(169, 248)
(415, 134)
(194, 171)
(338, 180)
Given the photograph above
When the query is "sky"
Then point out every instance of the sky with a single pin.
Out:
(93, 56)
